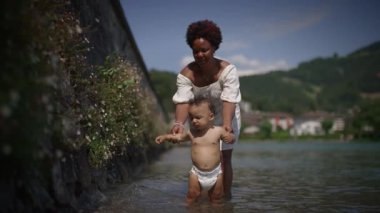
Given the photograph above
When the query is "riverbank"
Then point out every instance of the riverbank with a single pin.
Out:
(284, 136)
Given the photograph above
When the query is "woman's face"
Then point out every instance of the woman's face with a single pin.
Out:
(203, 51)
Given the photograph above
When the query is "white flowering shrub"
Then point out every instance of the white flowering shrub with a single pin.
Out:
(118, 115)
(47, 92)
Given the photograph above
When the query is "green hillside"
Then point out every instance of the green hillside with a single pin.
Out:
(276, 92)
(164, 82)
(332, 84)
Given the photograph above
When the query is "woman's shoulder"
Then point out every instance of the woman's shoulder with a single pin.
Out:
(226, 69)
(188, 70)
(224, 64)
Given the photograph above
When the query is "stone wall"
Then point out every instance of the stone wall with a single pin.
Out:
(40, 173)
(107, 29)
(77, 185)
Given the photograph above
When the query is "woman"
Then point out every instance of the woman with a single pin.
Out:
(215, 79)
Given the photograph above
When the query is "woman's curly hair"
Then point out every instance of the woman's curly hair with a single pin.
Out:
(204, 29)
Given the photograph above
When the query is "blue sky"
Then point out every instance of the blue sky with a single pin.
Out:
(258, 35)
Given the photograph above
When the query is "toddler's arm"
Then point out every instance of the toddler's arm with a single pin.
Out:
(171, 138)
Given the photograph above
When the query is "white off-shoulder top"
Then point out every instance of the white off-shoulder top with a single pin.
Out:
(226, 88)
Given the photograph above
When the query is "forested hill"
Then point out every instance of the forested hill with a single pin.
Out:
(333, 84)
(164, 82)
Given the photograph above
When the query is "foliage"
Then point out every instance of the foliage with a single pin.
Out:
(370, 49)
(55, 107)
(120, 111)
(366, 120)
(164, 83)
(334, 84)
(273, 92)
(49, 101)
(266, 129)
(326, 125)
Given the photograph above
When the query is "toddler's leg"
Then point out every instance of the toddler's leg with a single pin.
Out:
(194, 189)
(216, 192)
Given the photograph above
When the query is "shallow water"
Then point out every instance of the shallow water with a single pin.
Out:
(269, 177)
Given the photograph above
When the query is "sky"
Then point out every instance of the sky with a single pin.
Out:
(258, 35)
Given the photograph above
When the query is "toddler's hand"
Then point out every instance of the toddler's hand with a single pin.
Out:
(228, 138)
(159, 140)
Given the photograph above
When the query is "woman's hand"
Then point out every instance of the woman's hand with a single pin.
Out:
(181, 111)
(228, 128)
(228, 136)
(177, 128)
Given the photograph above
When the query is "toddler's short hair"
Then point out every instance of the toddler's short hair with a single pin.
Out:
(200, 100)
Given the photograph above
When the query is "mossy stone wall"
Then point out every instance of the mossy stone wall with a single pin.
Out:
(53, 53)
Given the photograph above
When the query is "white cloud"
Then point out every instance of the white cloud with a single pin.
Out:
(244, 61)
(186, 60)
(247, 66)
(233, 45)
(284, 25)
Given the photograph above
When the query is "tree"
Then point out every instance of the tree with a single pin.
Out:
(326, 125)
(366, 122)
(266, 129)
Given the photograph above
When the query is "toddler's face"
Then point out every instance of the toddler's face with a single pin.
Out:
(200, 116)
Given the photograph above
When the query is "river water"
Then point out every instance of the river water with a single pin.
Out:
(268, 177)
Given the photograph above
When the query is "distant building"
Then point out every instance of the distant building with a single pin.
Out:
(251, 130)
(280, 121)
(338, 125)
(245, 106)
(310, 123)
(307, 128)
(250, 119)
(306, 124)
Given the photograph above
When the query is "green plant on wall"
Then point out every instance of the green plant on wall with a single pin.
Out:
(118, 115)
(54, 115)
(48, 96)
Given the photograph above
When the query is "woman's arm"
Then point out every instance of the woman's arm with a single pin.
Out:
(181, 98)
(228, 115)
(181, 112)
(230, 96)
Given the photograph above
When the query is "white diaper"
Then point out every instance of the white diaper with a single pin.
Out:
(207, 179)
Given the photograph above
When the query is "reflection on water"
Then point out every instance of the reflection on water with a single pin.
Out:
(268, 176)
